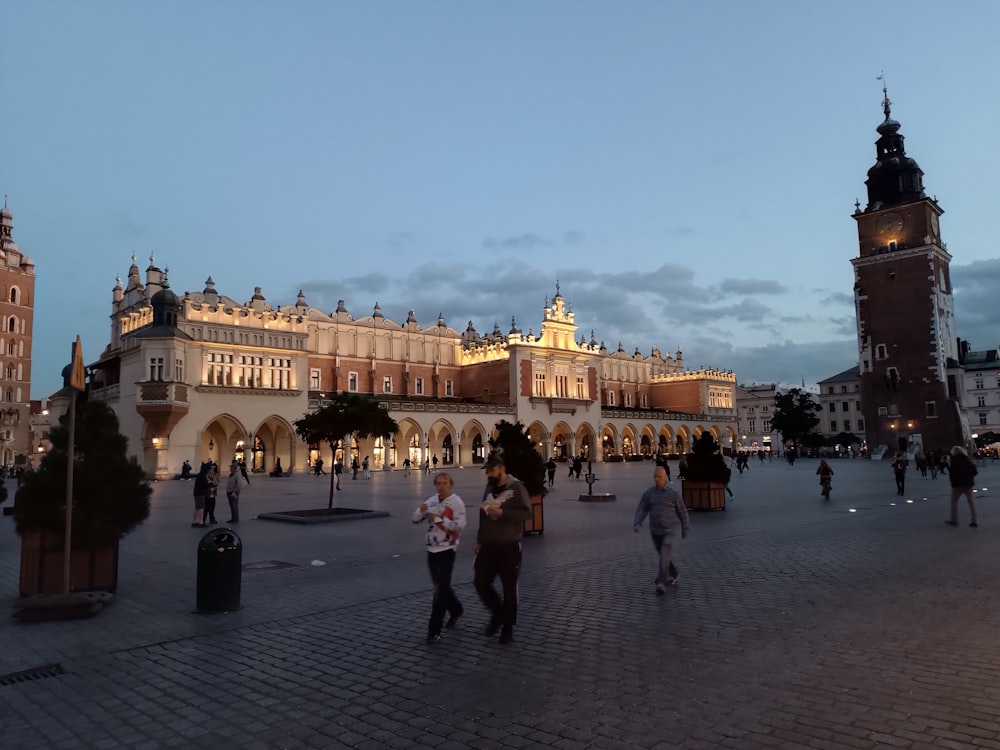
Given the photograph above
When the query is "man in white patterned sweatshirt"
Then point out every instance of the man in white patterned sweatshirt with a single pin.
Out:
(445, 516)
(662, 503)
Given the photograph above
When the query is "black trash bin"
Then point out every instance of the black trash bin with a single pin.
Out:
(220, 570)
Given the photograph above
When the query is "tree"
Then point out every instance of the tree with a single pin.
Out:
(794, 414)
(845, 438)
(705, 462)
(520, 455)
(110, 492)
(987, 438)
(345, 414)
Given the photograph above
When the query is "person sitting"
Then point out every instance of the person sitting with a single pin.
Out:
(277, 469)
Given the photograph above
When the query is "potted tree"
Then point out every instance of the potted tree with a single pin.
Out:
(110, 498)
(523, 461)
(344, 414)
(705, 475)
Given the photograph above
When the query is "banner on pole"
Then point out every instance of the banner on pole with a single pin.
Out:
(78, 378)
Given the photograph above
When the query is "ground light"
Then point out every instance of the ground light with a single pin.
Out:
(852, 510)
(909, 501)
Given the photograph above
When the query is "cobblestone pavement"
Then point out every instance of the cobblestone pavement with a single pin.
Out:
(796, 624)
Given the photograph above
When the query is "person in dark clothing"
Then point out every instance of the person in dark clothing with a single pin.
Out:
(243, 471)
(506, 506)
(550, 468)
(899, 470)
(355, 465)
(963, 478)
(185, 470)
(200, 492)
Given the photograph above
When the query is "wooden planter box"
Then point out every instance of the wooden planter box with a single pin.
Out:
(93, 569)
(703, 495)
(535, 524)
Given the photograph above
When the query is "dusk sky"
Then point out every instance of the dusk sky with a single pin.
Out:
(687, 170)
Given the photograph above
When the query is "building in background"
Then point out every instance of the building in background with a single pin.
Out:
(40, 420)
(17, 313)
(203, 376)
(982, 388)
(840, 399)
(754, 407)
(910, 373)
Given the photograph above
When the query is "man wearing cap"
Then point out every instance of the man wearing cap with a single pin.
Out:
(506, 506)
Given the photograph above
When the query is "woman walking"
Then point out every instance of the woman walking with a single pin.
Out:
(962, 474)
(445, 514)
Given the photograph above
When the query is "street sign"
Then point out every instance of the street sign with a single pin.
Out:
(78, 378)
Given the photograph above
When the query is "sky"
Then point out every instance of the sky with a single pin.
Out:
(686, 170)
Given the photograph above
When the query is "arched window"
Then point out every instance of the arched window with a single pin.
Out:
(14, 295)
(12, 324)
(11, 348)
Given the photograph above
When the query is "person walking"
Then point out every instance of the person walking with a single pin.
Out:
(366, 472)
(406, 466)
(234, 485)
(662, 503)
(899, 471)
(338, 469)
(962, 475)
(319, 467)
(445, 514)
(427, 466)
(354, 467)
(506, 506)
(243, 471)
(435, 461)
(550, 469)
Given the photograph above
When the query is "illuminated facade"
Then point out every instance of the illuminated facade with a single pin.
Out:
(17, 313)
(203, 376)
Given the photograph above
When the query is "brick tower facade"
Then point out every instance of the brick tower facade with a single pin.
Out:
(17, 313)
(911, 382)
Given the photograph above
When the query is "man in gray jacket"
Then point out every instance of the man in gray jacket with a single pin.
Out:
(662, 503)
(506, 506)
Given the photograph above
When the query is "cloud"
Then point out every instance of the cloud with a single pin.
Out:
(399, 240)
(835, 298)
(526, 241)
(684, 230)
(574, 237)
(975, 286)
(752, 286)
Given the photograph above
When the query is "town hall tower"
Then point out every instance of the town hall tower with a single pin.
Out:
(911, 380)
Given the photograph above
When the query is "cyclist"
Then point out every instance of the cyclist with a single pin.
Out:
(825, 477)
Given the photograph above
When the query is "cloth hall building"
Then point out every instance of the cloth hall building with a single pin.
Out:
(202, 376)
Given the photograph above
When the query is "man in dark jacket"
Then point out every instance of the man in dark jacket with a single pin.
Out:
(506, 506)
(963, 479)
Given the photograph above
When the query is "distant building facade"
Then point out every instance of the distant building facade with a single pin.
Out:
(754, 409)
(911, 378)
(203, 376)
(17, 320)
(840, 399)
(982, 389)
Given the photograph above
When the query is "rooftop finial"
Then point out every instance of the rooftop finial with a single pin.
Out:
(558, 294)
(886, 102)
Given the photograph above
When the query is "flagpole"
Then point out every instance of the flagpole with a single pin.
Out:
(70, 458)
(77, 384)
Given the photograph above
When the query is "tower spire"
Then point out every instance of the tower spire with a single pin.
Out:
(886, 101)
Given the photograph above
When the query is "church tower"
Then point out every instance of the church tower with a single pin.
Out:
(911, 382)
